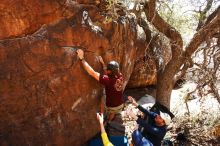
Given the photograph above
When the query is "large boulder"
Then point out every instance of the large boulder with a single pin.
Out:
(46, 98)
(151, 58)
(145, 71)
(20, 17)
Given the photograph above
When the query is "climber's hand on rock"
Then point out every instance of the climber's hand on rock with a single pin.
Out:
(80, 54)
(101, 60)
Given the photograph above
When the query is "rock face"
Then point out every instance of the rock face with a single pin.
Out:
(146, 68)
(46, 98)
(144, 72)
(20, 17)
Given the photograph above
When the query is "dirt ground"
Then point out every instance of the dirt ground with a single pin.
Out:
(199, 123)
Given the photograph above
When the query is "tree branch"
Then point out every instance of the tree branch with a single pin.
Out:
(211, 16)
(203, 34)
(168, 31)
(203, 14)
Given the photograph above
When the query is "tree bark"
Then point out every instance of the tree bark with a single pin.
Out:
(165, 80)
(167, 77)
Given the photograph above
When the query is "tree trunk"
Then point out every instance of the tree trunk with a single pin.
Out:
(165, 78)
(164, 89)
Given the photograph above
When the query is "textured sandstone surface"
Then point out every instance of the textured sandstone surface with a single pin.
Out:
(46, 98)
(144, 73)
(22, 17)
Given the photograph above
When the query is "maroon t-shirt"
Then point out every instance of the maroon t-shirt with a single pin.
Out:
(113, 89)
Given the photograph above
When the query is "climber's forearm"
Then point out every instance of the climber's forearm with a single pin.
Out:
(102, 63)
(90, 70)
(102, 128)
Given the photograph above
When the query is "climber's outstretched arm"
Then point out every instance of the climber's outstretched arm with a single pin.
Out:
(86, 66)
